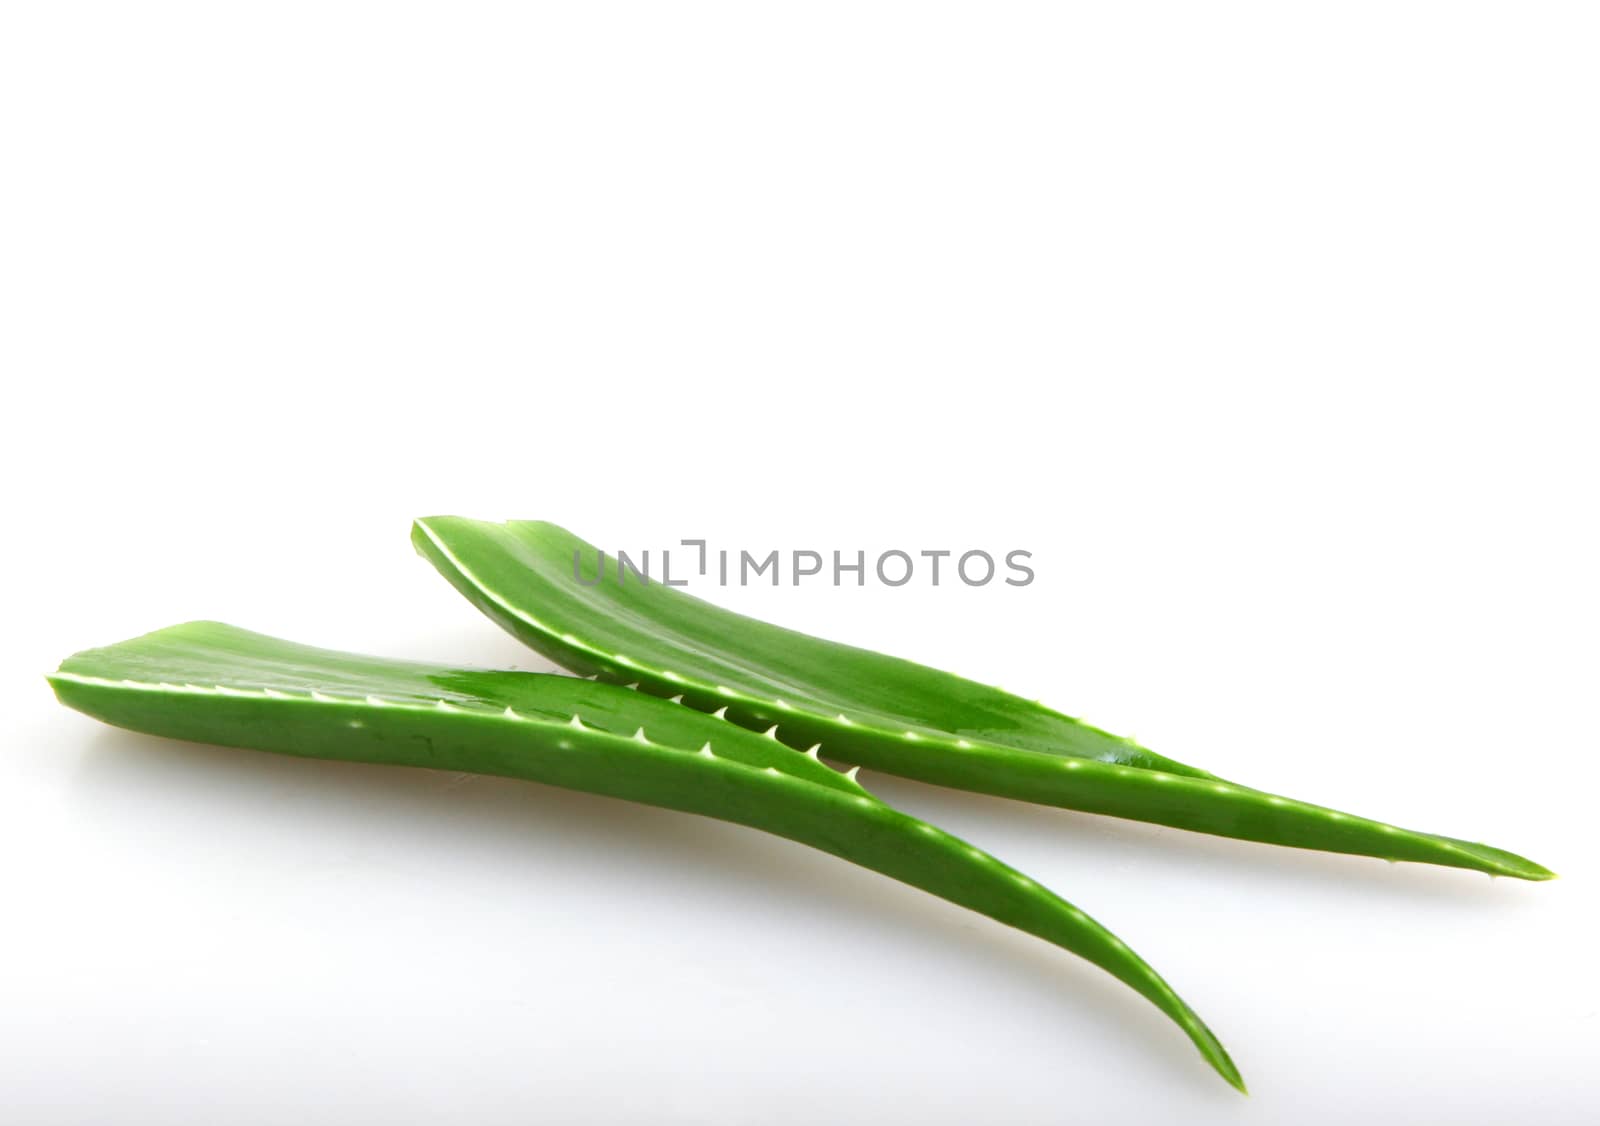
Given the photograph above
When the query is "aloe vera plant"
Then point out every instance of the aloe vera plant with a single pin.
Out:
(213, 683)
(871, 709)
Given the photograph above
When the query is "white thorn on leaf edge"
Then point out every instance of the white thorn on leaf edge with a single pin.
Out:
(811, 751)
(771, 732)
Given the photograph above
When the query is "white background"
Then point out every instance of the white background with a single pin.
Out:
(1270, 330)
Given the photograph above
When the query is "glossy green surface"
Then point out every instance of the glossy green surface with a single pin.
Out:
(213, 683)
(874, 710)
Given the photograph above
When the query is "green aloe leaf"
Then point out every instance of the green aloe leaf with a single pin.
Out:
(213, 683)
(871, 709)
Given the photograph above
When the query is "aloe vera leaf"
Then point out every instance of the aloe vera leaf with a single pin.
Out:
(871, 709)
(213, 683)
